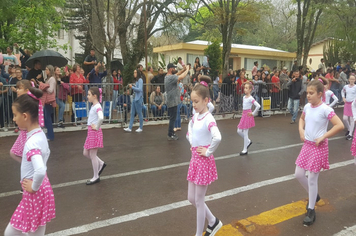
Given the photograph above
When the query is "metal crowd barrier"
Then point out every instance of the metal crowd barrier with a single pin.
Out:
(227, 98)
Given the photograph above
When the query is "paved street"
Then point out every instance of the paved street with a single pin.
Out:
(143, 189)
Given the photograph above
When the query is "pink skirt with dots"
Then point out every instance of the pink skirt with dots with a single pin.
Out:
(35, 209)
(246, 121)
(348, 109)
(353, 145)
(202, 170)
(94, 139)
(19, 144)
(314, 158)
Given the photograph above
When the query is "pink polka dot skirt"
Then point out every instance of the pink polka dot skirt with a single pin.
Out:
(202, 170)
(35, 209)
(94, 139)
(353, 145)
(246, 121)
(314, 158)
(19, 144)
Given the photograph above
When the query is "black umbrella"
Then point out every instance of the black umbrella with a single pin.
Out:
(47, 57)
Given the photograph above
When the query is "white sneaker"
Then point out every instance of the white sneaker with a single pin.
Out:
(139, 130)
(127, 129)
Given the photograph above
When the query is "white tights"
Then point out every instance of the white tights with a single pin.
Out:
(196, 196)
(309, 183)
(95, 161)
(244, 134)
(349, 123)
(11, 231)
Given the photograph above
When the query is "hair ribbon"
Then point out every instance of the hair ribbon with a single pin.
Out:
(204, 83)
(40, 109)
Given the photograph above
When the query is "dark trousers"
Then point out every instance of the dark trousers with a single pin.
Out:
(48, 112)
(172, 112)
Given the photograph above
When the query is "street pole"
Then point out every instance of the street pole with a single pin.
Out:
(145, 20)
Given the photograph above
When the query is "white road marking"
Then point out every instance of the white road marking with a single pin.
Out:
(157, 210)
(154, 169)
(349, 231)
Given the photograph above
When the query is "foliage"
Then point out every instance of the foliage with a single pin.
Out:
(162, 61)
(215, 58)
(33, 24)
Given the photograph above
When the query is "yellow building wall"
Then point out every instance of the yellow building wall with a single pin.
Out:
(315, 54)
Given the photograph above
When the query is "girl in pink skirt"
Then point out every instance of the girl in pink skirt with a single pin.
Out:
(314, 155)
(204, 138)
(37, 206)
(22, 87)
(348, 94)
(247, 120)
(94, 138)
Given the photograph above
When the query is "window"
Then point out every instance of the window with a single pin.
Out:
(191, 59)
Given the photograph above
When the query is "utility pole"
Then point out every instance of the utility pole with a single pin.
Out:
(145, 20)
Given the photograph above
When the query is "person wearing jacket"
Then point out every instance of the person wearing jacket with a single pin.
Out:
(157, 103)
(63, 90)
(48, 100)
(295, 91)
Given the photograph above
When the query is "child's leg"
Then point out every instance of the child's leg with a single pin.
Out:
(352, 125)
(94, 162)
(86, 153)
(196, 196)
(346, 121)
(39, 232)
(11, 231)
(300, 176)
(313, 188)
(246, 140)
(240, 132)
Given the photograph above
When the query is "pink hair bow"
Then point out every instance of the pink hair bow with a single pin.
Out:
(204, 83)
(101, 95)
(33, 84)
(40, 109)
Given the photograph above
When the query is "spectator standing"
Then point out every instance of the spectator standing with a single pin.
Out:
(159, 79)
(95, 76)
(140, 73)
(35, 74)
(90, 61)
(284, 79)
(338, 67)
(295, 66)
(173, 96)
(334, 83)
(348, 68)
(180, 65)
(63, 90)
(115, 91)
(9, 59)
(49, 100)
(137, 103)
(77, 81)
(3, 110)
(343, 81)
(206, 67)
(254, 69)
(197, 67)
(322, 66)
(150, 73)
(276, 87)
(25, 55)
(295, 89)
(119, 78)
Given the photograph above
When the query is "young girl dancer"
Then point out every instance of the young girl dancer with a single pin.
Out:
(247, 121)
(204, 80)
(329, 94)
(313, 132)
(204, 138)
(22, 87)
(94, 138)
(37, 206)
(348, 96)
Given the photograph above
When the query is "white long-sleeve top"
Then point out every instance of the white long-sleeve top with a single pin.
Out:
(329, 94)
(349, 93)
(96, 116)
(34, 158)
(248, 102)
(202, 131)
(210, 108)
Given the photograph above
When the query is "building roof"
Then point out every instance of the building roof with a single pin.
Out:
(200, 45)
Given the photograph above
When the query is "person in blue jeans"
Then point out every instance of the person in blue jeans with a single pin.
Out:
(295, 91)
(136, 106)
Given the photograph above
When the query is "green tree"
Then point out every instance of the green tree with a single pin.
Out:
(33, 24)
(215, 61)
